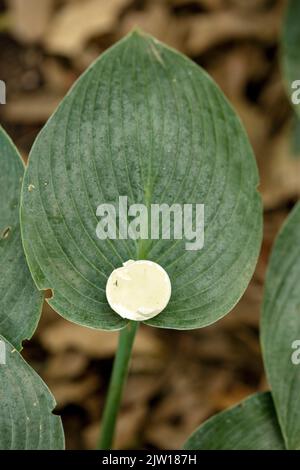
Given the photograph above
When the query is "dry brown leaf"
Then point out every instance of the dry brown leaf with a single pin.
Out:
(280, 171)
(263, 386)
(209, 30)
(232, 397)
(216, 345)
(66, 392)
(207, 4)
(31, 109)
(166, 436)
(247, 311)
(141, 388)
(156, 20)
(172, 421)
(57, 78)
(256, 124)
(186, 401)
(273, 222)
(66, 365)
(30, 18)
(274, 101)
(153, 365)
(78, 21)
(255, 6)
(63, 335)
(236, 68)
(127, 431)
(83, 60)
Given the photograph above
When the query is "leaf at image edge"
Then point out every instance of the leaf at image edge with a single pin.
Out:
(280, 327)
(250, 425)
(20, 301)
(26, 418)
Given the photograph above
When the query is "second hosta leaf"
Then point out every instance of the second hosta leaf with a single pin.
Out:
(20, 301)
(250, 425)
(280, 327)
(26, 418)
(147, 123)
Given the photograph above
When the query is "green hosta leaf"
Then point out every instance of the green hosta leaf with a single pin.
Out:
(20, 301)
(291, 46)
(26, 419)
(280, 327)
(250, 425)
(147, 123)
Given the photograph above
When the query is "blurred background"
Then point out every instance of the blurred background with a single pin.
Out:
(178, 379)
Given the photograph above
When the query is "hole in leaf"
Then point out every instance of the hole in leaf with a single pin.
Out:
(5, 233)
(48, 294)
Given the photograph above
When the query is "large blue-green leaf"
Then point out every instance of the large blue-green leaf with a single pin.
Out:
(147, 123)
(20, 301)
(280, 328)
(250, 425)
(26, 418)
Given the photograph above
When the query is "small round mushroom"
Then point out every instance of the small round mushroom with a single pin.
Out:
(139, 290)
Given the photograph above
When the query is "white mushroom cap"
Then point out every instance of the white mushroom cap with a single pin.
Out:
(139, 290)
